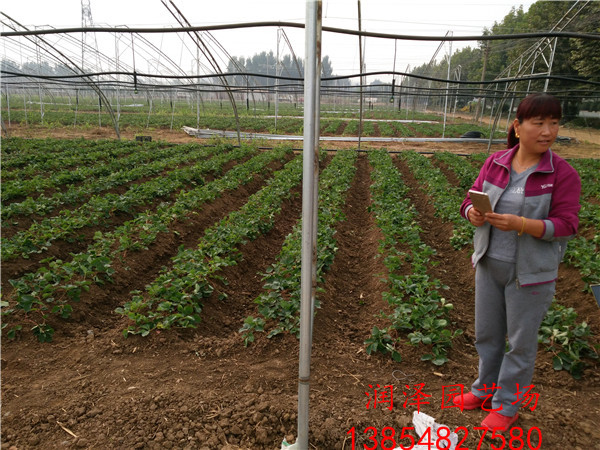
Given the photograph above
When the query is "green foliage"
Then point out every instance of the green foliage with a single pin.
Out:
(330, 126)
(566, 339)
(402, 130)
(54, 286)
(420, 314)
(581, 252)
(382, 341)
(386, 129)
(43, 332)
(279, 303)
(446, 198)
(174, 298)
(99, 208)
(251, 324)
(351, 128)
(418, 307)
(585, 255)
(95, 179)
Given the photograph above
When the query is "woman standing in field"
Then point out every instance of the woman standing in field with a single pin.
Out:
(535, 198)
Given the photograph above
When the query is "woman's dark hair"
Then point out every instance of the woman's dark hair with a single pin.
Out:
(535, 105)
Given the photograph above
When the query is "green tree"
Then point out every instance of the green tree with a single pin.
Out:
(585, 54)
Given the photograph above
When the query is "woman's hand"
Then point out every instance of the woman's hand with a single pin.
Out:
(508, 222)
(475, 217)
(504, 222)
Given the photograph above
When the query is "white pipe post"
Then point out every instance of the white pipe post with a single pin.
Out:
(277, 73)
(362, 79)
(117, 67)
(317, 120)
(309, 232)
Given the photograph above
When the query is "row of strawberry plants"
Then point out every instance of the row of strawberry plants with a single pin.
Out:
(446, 198)
(279, 303)
(590, 211)
(66, 176)
(105, 177)
(584, 253)
(42, 234)
(567, 340)
(26, 157)
(52, 289)
(174, 298)
(590, 190)
(418, 307)
(589, 171)
(464, 171)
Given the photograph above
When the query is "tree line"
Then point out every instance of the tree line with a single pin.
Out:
(573, 59)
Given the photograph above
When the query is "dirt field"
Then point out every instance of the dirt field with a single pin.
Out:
(202, 389)
(586, 142)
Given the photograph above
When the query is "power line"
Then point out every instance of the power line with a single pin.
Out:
(490, 37)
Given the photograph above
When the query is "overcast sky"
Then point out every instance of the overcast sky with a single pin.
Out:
(411, 17)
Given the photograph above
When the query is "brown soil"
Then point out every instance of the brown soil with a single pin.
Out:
(92, 388)
(586, 142)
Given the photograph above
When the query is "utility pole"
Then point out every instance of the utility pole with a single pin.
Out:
(480, 109)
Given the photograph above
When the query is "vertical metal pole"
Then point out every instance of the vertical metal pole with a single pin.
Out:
(25, 106)
(360, 61)
(529, 83)
(481, 103)
(39, 62)
(447, 88)
(277, 73)
(550, 64)
(309, 232)
(512, 99)
(457, 74)
(407, 95)
(149, 108)
(172, 107)
(197, 88)
(8, 104)
(317, 120)
(76, 106)
(493, 106)
(118, 77)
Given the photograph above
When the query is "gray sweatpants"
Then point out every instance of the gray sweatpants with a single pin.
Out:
(504, 310)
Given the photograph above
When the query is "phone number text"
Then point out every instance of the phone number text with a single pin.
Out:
(388, 439)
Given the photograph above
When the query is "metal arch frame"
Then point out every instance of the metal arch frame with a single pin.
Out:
(528, 60)
(74, 67)
(178, 15)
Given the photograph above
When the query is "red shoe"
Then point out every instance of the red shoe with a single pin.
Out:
(498, 422)
(470, 401)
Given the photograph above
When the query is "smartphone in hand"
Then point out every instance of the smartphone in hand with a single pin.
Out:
(481, 201)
